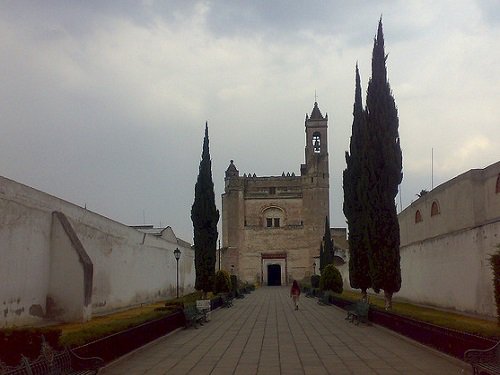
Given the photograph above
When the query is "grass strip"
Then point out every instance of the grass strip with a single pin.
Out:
(446, 319)
(76, 334)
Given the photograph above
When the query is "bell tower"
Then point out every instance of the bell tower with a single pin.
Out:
(316, 150)
(315, 172)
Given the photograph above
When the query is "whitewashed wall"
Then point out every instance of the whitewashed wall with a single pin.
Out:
(129, 267)
(451, 272)
(445, 257)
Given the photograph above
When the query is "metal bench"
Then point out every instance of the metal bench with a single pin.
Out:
(204, 307)
(484, 361)
(54, 362)
(193, 316)
(358, 312)
(227, 300)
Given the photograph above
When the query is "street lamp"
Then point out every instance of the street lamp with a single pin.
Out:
(219, 254)
(314, 268)
(177, 255)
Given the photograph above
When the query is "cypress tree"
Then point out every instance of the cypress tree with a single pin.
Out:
(205, 217)
(321, 257)
(353, 180)
(328, 251)
(384, 174)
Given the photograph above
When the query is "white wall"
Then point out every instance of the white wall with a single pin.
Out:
(129, 267)
(445, 258)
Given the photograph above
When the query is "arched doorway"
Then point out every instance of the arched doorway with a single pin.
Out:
(274, 275)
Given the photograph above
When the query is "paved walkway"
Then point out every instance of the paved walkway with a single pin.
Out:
(262, 334)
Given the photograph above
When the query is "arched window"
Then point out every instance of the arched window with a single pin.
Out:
(316, 142)
(498, 184)
(435, 209)
(418, 216)
(273, 217)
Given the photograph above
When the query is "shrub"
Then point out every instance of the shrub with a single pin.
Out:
(222, 282)
(315, 281)
(495, 265)
(331, 279)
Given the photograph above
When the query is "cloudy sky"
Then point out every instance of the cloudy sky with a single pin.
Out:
(103, 103)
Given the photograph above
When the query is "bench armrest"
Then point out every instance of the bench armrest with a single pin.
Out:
(478, 355)
(81, 363)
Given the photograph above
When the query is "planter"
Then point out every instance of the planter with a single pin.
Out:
(113, 346)
(446, 340)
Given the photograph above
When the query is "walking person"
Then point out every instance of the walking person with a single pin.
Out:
(295, 293)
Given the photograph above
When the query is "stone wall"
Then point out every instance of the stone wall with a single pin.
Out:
(63, 262)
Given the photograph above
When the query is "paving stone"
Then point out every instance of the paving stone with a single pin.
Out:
(262, 334)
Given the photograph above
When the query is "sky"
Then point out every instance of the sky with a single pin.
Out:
(104, 103)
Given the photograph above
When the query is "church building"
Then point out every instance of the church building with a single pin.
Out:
(272, 226)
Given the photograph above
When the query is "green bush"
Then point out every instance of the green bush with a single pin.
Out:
(495, 265)
(222, 282)
(315, 281)
(331, 279)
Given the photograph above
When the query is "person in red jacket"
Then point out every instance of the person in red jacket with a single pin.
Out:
(295, 293)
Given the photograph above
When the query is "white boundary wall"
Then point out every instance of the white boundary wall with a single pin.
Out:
(38, 267)
(445, 257)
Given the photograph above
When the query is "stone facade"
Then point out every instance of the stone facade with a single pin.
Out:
(272, 226)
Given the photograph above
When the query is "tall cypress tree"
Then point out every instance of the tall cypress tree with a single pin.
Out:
(354, 191)
(321, 257)
(328, 251)
(384, 174)
(205, 217)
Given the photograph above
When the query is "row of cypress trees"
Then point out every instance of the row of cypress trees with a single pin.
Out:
(371, 179)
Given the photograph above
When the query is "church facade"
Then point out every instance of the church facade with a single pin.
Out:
(272, 226)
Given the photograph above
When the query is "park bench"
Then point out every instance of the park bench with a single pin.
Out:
(54, 362)
(484, 361)
(358, 312)
(227, 300)
(324, 299)
(193, 316)
(204, 306)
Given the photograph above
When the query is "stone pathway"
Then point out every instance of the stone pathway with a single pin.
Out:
(262, 334)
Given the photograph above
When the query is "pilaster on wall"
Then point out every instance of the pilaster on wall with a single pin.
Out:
(71, 272)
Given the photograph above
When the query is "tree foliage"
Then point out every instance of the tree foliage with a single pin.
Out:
(326, 249)
(222, 282)
(383, 174)
(205, 217)
(354, 181)
(371, 179)
(331, 279)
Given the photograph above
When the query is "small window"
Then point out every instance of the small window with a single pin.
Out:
(276, 222)
(435, 209)
(272, 190)
(418, 216)
(269, 222)
(498, 184)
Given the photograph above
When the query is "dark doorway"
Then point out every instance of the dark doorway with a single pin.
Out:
(274, 275)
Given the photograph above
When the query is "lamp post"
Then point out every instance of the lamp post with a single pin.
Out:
(219, 254)
(177, 255)
(314, 268)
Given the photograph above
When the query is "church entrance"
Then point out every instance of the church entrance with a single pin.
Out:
(274, 275)
(274, 269)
